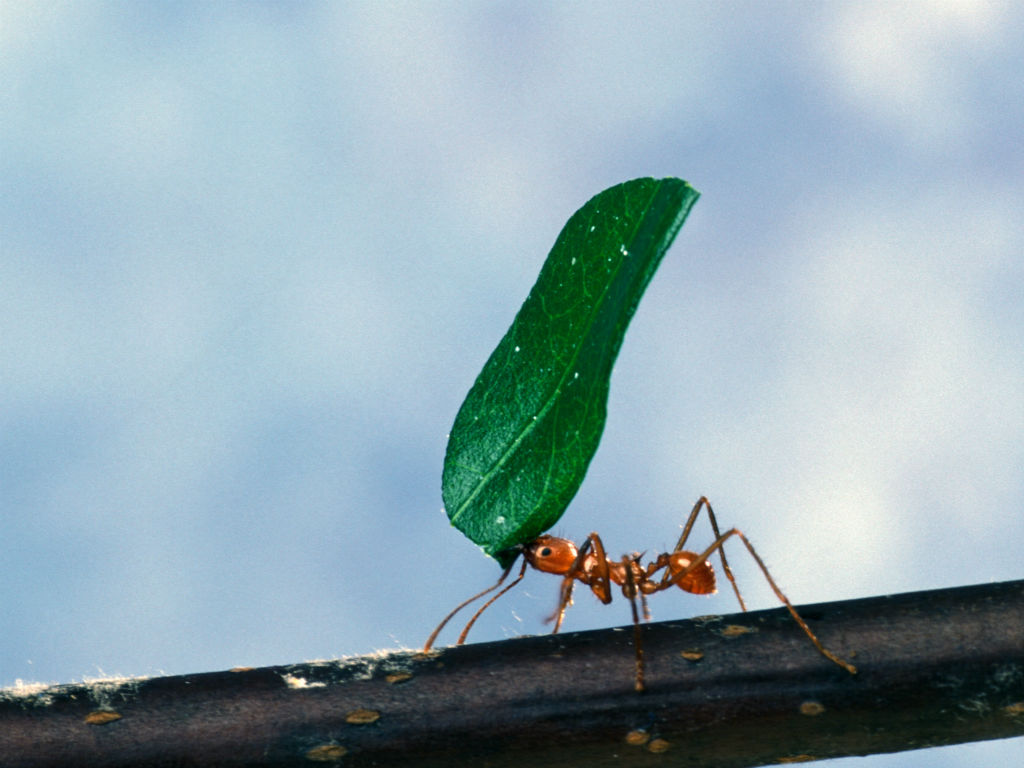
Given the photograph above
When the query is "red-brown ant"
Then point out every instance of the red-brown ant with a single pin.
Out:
(590, 565)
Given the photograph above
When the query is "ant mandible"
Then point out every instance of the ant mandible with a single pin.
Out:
(590, 565)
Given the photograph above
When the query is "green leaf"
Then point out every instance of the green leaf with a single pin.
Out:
(523, 439)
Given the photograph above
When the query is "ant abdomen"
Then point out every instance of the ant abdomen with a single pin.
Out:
(699, 581)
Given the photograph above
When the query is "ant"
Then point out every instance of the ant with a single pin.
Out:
(589, 564)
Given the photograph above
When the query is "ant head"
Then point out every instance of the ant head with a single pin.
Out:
(550, 554)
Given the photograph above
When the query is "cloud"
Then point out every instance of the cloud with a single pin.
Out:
(908, 67)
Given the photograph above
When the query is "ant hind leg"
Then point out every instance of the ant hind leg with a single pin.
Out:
(718, 544)
(703, 503)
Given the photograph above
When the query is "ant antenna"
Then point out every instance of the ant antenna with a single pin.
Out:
(460, 606)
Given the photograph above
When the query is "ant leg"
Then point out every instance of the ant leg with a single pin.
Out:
(568, 582)
(600, 575)
(630, 590)
(771, 582)
(643, 604)
(597, 578)
(703, 502)
(460, 606)
(564, 601)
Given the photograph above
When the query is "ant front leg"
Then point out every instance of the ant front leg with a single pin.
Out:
(591, 567)
(598, 575)
(568, 581)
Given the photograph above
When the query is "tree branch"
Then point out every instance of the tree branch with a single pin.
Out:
(936, 668)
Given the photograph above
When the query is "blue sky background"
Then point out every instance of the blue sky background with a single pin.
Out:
(252, 257)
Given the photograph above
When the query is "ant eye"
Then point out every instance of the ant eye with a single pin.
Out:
(546, 552)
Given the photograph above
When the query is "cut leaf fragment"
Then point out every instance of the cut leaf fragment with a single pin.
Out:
(525, 435)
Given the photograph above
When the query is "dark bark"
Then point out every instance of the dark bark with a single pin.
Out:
(935, 668)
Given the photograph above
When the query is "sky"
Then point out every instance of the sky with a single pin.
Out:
(253, 255)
